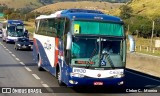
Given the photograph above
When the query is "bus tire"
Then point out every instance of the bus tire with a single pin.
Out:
(39, 64)
(60, 83)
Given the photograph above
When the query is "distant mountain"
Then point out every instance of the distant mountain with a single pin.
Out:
(21, 3)
(105, 7)
(54, 1)
(38, 3)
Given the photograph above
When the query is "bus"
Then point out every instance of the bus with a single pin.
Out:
(69, 44)
(12, 29)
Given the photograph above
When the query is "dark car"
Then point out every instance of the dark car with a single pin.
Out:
(23, 43)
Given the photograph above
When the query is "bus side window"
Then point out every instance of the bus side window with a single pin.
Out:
(60, 26)
(41, 26)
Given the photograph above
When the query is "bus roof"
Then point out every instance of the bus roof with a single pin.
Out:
(82, 14)
(14, 21)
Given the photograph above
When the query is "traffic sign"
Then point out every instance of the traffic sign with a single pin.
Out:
(1, 14)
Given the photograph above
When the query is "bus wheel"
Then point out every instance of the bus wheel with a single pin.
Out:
(60, 83)
(39, 64)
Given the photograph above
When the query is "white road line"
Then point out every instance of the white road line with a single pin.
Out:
(7, 49)
(45, 85)
(28, 69)
(35, 76)
(17, 59)
(10, 52)
(143, 76)
(13, 55)
(48, 88)
(21, 63)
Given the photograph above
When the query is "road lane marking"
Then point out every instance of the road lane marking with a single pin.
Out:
(22, 63)
(35, 76)
(13, 55)
(143, 76)
(10, 52)
(48, 88)
(28, 69)
(7, 49)
(45, 85)
(17, 59)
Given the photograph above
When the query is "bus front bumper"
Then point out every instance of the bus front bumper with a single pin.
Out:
(10, 40)
(96, 81)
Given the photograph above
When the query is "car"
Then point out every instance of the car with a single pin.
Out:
(0, 32)
(23, 44)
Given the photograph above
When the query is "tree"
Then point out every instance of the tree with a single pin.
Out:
(126, 12)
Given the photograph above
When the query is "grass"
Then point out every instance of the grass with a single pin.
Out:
(29, 26)
(144, 43)
(21, 3)
(149, 8)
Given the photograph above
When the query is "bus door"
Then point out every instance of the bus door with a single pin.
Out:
(62, 35)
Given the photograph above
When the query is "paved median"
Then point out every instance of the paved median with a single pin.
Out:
(144, 63)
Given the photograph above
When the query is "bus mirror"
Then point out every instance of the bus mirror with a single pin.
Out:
(131, 43)
(69, 41)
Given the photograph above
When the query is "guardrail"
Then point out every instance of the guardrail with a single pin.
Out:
(147, 50)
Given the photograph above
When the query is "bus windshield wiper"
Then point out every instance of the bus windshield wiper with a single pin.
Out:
(89, 61)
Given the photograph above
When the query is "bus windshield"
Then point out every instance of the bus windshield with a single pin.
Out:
(93, 51)
(15, 31)
(18, 33)
(98, 28)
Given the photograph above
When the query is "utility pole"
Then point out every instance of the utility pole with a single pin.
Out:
(25, 17)
(7, 17)
(152, 32)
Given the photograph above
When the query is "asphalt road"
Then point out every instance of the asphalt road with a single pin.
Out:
(17, 69)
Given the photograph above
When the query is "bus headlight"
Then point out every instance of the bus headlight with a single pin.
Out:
(118, 76)
(73, 82)
(76, 75)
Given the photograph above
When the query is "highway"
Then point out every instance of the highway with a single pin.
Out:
(17, 69)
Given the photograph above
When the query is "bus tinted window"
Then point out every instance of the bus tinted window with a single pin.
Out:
(52, 27)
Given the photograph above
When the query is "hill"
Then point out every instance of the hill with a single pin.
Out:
(21, 3)
(105, 7)
(149, 8)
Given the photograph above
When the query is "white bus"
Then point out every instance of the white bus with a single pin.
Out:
(69, 44)
(12, 29)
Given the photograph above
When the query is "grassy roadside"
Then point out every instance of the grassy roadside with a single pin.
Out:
(29, 25)
(144, 46)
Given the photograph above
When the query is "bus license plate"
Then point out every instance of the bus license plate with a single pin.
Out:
(24, 46)
(98, 83)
